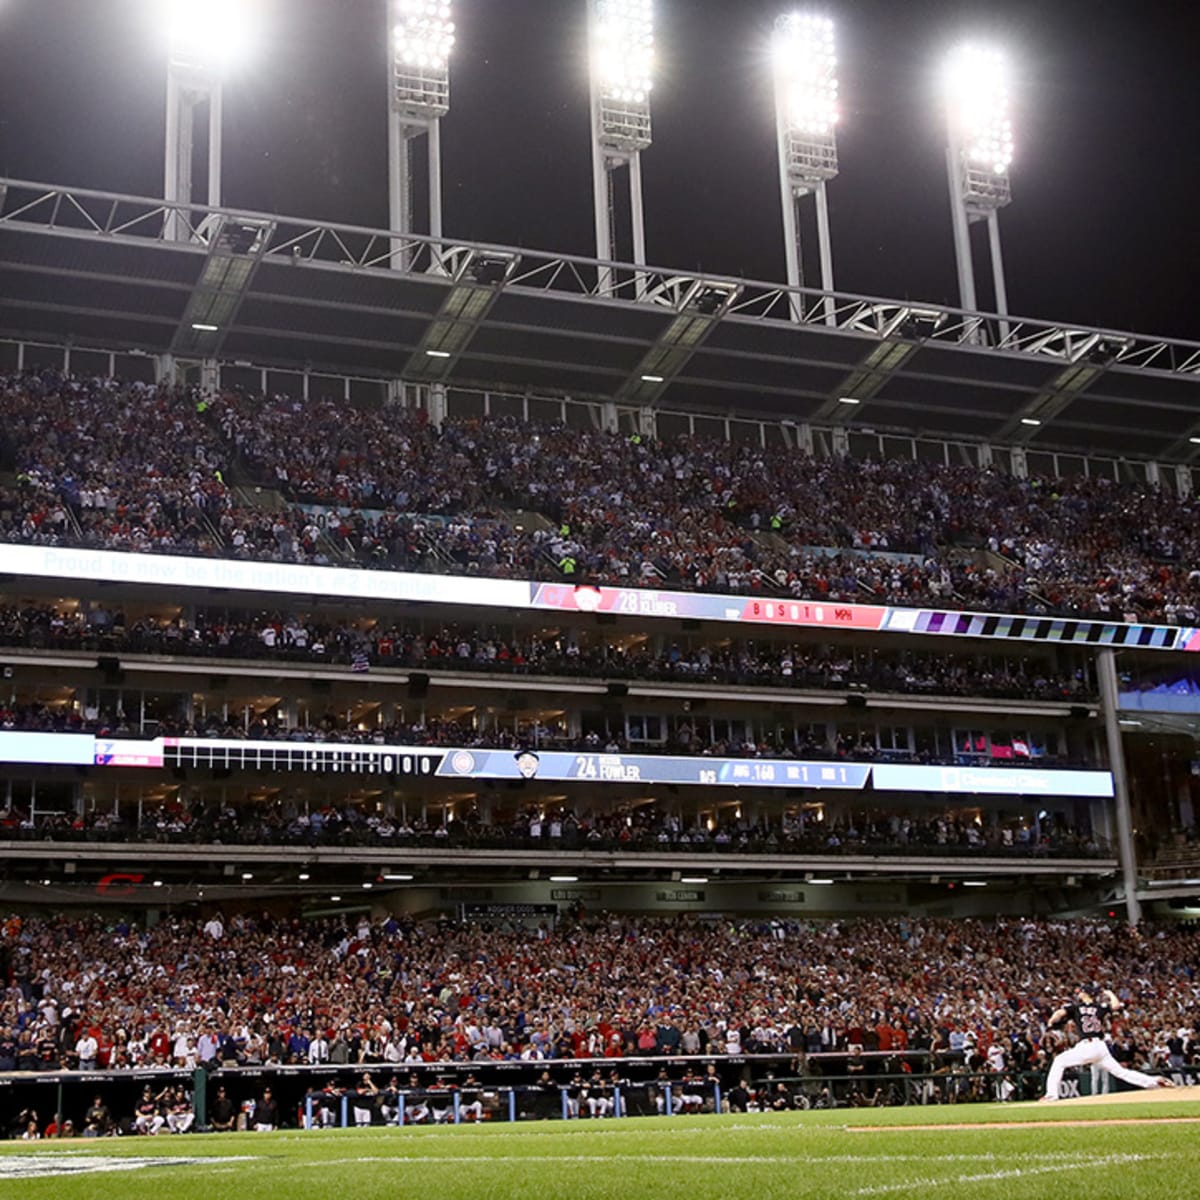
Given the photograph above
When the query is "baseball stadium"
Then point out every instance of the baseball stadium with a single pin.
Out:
(486, 712)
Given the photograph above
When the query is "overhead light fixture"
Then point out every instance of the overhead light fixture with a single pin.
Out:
(210, 37)
(1030, 421)
(564, 878)
(1194, 440)
(623, 50)
(394, 878)
(806, 67)
(205, 327)
(247, 875)
(848, 400)
(652, 379)
(367, 886)
(977, 92)
(821, 882)
(335, 899)
(693, 879)
(158, 883)
(974, 883)
(438, 353)
(424, 34)
(304, 877)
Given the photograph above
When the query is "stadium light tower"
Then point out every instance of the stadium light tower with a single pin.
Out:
(621, 43)
(806, 114)
(978, 156)
(205, 38)
(422, 37)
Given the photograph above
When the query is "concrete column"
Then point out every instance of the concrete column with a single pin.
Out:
(1106, 671)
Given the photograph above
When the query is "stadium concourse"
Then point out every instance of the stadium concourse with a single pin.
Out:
(138, 467)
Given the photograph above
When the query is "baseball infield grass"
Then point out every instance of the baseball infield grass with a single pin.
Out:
(1066, 1151)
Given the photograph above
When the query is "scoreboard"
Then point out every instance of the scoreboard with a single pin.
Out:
(554, 766)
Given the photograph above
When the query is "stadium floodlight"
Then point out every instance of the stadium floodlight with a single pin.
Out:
(806, 72)
(977, 91)
(977, 96)
(422, 39)
(422, 36)
(804, 56)
(623, 54)
(209, 36)
(621, 41)
(205, 39)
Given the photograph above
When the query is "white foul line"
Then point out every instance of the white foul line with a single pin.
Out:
(1110, 1160)
(1061, 1159)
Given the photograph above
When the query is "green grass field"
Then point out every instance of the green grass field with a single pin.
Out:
(793, 1156)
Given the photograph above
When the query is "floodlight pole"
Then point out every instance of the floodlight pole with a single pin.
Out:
(403, 136)
(621, 130)
(639, 220)
(1106, 673)
(1001, 288)
(977, 194)
(807, 161)
(400, 205)
(189, 88)
(418, 98)
(962, 231)
(601, 199)
(790, 204)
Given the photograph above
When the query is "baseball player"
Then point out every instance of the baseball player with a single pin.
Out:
(1091, 1011)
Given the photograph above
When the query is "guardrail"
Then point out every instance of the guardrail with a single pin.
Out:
(313, 1096)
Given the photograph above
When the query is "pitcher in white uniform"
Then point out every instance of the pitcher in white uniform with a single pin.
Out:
(1091, 1011)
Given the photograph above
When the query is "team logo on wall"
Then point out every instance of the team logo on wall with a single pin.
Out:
(587, 598)
(462, 762)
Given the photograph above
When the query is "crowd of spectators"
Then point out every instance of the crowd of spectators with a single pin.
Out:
(686, 737)
(130, 466)
(304, 638)
(89, 992)
(934, 829)
(121, 466)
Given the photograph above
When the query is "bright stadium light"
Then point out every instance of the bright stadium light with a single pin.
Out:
(804, 55)
(977, 91)
(204, 41)
(623, 50)
(806, 67)
(621, 42)
(977, 96)
(422, 39)
(422, 36)
(209, 36)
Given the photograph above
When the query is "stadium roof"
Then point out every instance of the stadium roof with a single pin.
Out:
(128, 273)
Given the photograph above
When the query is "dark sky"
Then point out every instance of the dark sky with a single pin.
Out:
(1102, 229)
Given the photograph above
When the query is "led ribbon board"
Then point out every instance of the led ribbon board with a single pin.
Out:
(552, 766)
(293, 579)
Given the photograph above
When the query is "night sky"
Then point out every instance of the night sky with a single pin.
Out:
(1102, 229)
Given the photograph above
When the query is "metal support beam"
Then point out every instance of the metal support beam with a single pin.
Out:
(188, 91)
(998, 283)
(639, 223)
(825, 250)
(1106, 671)
(400, 217)
(962, 233)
